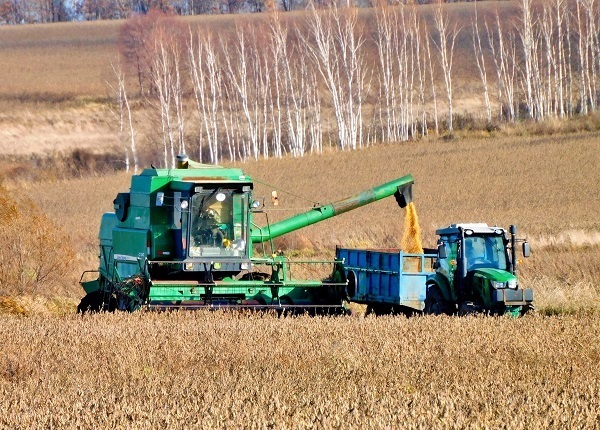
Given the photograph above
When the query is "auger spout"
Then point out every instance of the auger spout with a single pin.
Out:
(400, 188)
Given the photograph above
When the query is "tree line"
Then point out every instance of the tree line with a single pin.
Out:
(45, 11)
(269, 87)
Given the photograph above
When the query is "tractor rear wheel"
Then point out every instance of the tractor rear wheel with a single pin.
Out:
(434, 301)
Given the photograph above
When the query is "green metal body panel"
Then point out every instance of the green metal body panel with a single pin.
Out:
(108, 223)
(91, 286)
(301, 292)
(495, 275)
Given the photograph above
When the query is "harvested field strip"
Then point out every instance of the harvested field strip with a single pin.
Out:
(210, 370)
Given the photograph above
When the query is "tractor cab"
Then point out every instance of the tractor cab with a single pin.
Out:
(479, 265)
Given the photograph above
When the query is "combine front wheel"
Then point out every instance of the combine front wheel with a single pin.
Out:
(96, 301)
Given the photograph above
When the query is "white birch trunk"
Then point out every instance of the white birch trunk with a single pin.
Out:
(480, 61)
(445, 45)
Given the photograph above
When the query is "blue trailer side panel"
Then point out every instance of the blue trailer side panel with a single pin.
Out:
(387, 276)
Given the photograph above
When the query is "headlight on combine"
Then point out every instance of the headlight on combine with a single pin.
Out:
(498, 285)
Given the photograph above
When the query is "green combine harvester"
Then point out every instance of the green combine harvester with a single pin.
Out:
(186, 237)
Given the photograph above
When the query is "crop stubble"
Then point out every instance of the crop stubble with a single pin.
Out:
(254, 371)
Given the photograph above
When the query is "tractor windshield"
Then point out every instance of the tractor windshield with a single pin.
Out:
(217, 224)
(485, 252)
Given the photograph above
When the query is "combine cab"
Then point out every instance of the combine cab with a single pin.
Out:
(183, 238)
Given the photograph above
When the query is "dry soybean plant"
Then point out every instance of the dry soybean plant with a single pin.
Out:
(217, 370)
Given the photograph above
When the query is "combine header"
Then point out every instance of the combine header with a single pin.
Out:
(184, 238)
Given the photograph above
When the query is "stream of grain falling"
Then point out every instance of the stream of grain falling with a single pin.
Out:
(411, 239)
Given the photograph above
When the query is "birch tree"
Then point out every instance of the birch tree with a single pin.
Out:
(398, 45)
(336, 45)
(560, 12)
(582, 51)
(162, 82)
(432, 82)
(421, 61)
(591, 48)
(237, 74)
(551, 84)
(386, 25)
(207, 88)
(445, 42)
(249, 76)
(531, 70)
(126, 128)
(480, 61)
(278, 35)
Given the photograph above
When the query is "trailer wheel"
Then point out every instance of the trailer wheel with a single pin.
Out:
(379, 309)
(350, 290)
(434, 301)
(469, 308)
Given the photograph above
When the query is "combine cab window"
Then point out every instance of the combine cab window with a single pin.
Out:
(216, 227)
(485, 251)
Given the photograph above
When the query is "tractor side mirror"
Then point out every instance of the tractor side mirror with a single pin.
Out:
(442, 254)
(526, 249)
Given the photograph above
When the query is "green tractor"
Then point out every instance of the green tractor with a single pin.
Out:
(187, 238)
(477, 271)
